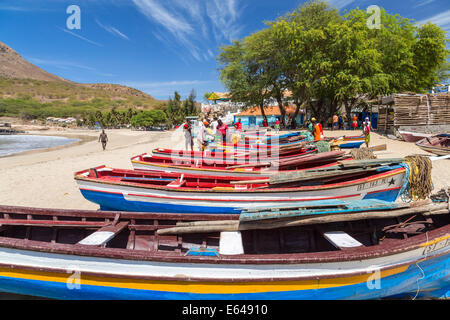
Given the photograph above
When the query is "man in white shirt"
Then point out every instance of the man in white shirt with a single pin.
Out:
(214, 125)
(201, 136)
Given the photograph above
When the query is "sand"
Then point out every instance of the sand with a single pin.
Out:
(45, 178)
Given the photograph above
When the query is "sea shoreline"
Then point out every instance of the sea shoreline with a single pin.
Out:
(81, 140)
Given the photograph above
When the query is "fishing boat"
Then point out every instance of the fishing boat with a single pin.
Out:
(439, 144)
(354, 142)
(232, 155)
(74, 254)
(268, 138)
(237, 168)
(132, 190)
(413, 136)
(250, 146)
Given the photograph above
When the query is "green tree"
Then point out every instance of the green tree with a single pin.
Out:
(206, 96)
(148, 118)
(243, 77)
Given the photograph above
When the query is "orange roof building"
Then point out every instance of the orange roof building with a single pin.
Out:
(269, 111)
(253, 116)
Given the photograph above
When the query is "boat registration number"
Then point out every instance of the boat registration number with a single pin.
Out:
(371, 185)
(436, 246)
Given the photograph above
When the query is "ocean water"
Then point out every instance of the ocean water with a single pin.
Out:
(11, 144)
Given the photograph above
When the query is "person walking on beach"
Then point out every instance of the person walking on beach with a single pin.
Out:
(222, 128)
(265, 123)
(335, 122)
(277, 126)
(367, 128)
(103, 138)
(316, 130)
(188, 139)
(214, 124)
(238, 125)
(355, 122)
(201, 137)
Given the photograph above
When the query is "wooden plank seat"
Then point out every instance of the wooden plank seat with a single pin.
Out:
(104, 235)
(342, 240)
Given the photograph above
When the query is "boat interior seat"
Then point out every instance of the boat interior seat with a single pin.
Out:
(180, 182)
(102, 236)
(342, 240)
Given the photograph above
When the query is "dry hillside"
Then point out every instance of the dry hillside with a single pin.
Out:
(20, 78)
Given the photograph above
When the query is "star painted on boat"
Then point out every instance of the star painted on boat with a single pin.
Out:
(392, 182)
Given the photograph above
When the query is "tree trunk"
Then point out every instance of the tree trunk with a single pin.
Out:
(279, 98)
(293, 123)
(261, 107)
(348, 110)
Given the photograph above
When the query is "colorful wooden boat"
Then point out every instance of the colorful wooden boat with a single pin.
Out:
(439, 144)
(73, 254)
(268, 138)
(348, 142)
(127, 190)
(413, 136)
(237, 168)
(233, 156)
(251, 146)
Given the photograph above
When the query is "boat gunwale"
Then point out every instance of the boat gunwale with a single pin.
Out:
(356, 254)
(79, 176)
(266, 170)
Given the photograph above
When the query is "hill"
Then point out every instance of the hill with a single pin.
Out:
(27, 90)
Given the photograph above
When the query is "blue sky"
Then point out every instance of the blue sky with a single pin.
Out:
(157, 46)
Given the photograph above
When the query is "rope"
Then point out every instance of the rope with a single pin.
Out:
(423, 273)
(420, 178)
(362, 154)
(417, 184)
(404, 191)
(308, 135)
(322, 146)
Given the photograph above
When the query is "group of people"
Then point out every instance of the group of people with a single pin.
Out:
(337, 122)
(219, 129)
(316, 129)
(216, 128)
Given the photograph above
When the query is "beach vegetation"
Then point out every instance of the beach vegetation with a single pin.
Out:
(321, 60)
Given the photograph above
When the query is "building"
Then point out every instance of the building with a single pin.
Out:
(252, 117)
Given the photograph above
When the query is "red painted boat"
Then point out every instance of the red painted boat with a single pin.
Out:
(236, 167)
(413, 136)
(137, 190)
(439, 144)
(255, 155)
(75, 254)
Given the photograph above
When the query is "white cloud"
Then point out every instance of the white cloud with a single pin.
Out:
(196, 24)
(112, 30)
(423, 3)
(81, 37)
(62, 64)
(340, 3)
(143, 84)
(442, 20)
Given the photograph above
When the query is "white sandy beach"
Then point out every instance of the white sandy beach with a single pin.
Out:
(45, 178)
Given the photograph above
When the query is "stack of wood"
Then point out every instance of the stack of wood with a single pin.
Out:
(385, 118)
(416, 110)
